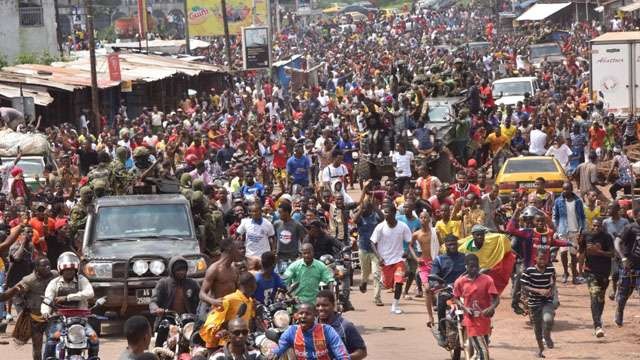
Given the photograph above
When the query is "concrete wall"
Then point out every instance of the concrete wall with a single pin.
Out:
(16, 39)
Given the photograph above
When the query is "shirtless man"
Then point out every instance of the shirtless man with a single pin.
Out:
(424, 237)
(218, 280)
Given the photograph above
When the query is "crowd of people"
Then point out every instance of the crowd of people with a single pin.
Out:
(270, 172)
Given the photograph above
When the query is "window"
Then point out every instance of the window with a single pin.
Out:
(31, 13)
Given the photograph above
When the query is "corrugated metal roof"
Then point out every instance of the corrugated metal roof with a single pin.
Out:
(41, 96)
(541, 11)
(618, 36)
(76, 74)
(630, 7)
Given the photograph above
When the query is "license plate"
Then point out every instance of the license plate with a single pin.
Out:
(527, 185)
(143, 296)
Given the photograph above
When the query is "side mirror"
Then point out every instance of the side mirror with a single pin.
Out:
(273, 335)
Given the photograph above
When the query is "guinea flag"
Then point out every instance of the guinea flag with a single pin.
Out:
(495, 254)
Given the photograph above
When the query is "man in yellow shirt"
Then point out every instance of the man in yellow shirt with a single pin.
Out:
(496, 141)
(508, 129)
(231, 308)
(446, 226)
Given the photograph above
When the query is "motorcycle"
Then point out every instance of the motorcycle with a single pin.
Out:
(178, 343)
(340, 269)
(73, 343)
(275, 319)
(454, 332)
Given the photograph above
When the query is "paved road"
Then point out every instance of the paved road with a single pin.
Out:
(512, 338)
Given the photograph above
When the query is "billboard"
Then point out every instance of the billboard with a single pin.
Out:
(255, 47)
(205, 16)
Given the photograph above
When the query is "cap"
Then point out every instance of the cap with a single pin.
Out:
(287, 197)
(479, 229)
(140, 151)
(16, 171)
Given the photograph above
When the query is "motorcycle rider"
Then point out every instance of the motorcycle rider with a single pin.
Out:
(307, 273)
(70, 290)
(176, 293)
(326, 308)
(236, 348)
(449, 266)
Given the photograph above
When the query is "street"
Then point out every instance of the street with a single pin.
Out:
(512, 338)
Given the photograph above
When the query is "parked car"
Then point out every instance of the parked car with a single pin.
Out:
(509, 91)
(551, 51)
(127, 244)
(522, 172)
(33, 168)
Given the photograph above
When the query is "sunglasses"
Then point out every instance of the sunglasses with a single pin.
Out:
(244, 332)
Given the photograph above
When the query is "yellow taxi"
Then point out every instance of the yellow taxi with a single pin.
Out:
(521, 172)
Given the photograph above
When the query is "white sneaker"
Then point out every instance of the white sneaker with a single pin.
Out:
(396, 311)
(599, 332)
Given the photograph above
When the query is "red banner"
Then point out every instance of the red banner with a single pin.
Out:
(114, 67)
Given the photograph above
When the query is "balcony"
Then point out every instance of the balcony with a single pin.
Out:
(31, 16)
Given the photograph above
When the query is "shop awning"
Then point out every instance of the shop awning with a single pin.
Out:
(541, 11)
(630, 7)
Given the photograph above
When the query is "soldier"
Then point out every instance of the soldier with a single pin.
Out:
(102, 171)
(141, 161)
(119, 178)
(185, 185)
(203, 217)
(78, 217)
(100, 188)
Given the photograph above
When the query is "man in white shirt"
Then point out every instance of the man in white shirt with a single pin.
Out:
(402, 163)
(538, 141)
(258, 232)
(388, 240)
(336, 171)
(5, 173)
(560, 151)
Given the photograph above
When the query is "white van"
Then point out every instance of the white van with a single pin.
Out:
(509, 91)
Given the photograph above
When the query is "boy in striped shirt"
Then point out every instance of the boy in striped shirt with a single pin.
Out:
(538, 290)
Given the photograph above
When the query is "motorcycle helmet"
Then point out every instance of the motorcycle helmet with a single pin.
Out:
(68, 260)
(530, 212)
(327, 259)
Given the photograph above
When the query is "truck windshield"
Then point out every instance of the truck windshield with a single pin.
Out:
(547, 50)
(30, 167)
(149, 220)
(514, 88)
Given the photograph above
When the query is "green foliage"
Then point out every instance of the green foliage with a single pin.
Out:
(26, 58)
(45, 58)
(3, 61)
(107, 35)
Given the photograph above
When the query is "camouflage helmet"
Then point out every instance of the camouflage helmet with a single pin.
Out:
(85, 190)
(198, 185)
(185, 179)
(141, 151)
(122, 152)
(197, 198)
(98, 184)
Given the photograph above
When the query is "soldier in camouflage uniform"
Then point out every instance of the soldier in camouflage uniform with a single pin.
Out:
(203, 217)
(102, 172)
(119, 179)
(78, 217)
(185, 185)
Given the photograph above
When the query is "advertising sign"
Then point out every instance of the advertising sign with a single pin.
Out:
(255, 47)
(114, 67)
(205, 16)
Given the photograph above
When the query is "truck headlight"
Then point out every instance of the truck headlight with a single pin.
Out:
(98, 270)
(197, 266)
(157, 267)
(140, 267)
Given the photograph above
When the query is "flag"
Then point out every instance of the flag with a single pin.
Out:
(114, 67)
(495, 255)
(142, 18)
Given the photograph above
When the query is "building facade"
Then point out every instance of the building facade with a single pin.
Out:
(27, 26)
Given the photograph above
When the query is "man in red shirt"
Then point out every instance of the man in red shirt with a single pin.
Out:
(481, 298)
(197, 149)
(279, 151)
(462, 188)
(596, 137)
(486, 94)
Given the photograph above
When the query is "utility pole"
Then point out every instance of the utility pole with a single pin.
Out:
(227, 41)
(186, 28)
(95, 102)
(58, 32)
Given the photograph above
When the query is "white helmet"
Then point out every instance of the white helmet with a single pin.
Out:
(68, 260)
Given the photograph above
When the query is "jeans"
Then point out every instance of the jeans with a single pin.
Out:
(52, 340)
(629, 281)
(369, 265)
(516, 288)
(2, 289)
(597, 291)
(542, 318)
